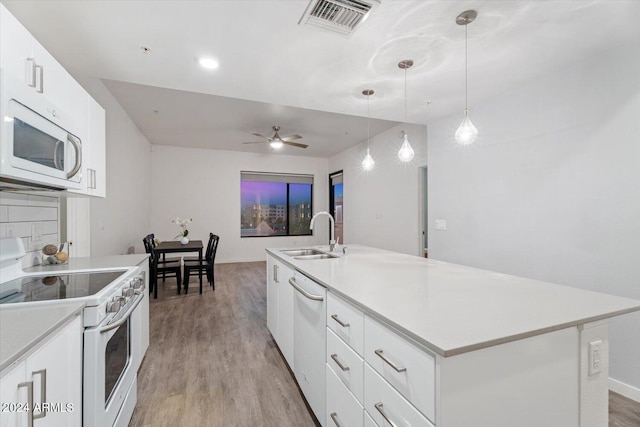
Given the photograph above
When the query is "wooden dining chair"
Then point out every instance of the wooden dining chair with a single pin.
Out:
(166, 268)
(193, 263)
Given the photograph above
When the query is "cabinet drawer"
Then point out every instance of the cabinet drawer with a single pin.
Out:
(351, 372)
(381, 400)
(343, 409)
(346, 321)
(409, 369)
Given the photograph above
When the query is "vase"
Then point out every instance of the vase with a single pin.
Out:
(184, 240)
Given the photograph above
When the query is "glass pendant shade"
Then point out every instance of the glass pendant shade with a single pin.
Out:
(406, 152)
(276, 144)
(467, 132)
(368, 163)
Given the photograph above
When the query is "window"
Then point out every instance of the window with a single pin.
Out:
(275, 204)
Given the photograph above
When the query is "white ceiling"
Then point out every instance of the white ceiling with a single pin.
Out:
(306, 79)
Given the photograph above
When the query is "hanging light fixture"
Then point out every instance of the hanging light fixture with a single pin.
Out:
(406, 152)
(467, 132)
(368, 163)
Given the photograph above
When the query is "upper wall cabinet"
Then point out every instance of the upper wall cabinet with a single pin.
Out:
(66, 102)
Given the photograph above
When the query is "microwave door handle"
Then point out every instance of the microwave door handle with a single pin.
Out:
(56, 158)
(77, 146)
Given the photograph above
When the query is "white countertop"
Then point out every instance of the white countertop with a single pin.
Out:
(92, 263)
(453, 309)
(22, 328)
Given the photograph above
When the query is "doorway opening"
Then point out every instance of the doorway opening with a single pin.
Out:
(336, 205)
(424, 217)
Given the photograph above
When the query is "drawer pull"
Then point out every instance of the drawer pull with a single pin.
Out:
(378, 406)
(340, 322)
(29, 386)
(389, 362)
(334, 417)
(43, 394)
(335, 359)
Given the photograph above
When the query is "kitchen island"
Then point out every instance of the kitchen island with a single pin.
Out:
(493, 349)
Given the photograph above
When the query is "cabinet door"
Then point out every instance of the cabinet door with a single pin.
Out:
(79, 113)
(52, 81)
(343, 409)
(98, 149)
(56, 369)
(272, 297)
(16, 47)
(14, 396)
(285, 313)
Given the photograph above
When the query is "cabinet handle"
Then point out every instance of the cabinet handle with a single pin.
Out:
(40, 69)
(334, 417)
(305, 293)
(95, 180)
(335, 359)
(340, 322)
(29, 386)
(31, 72)
(275, 273)
(389, 362)
(378, 406)
(43, 393)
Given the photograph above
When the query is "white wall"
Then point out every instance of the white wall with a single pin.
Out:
(119, 222)
(382, 206)
(205, 185)
(551, 188)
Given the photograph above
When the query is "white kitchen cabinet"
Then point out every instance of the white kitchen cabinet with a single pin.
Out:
(97, 159)
(280, 307)
(29, 63)
(343, 409)
(310, 304)
(346, 321)
(368, 421)
(53, 372)
(346, 363)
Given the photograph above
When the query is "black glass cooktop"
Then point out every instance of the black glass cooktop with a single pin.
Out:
(56, 287)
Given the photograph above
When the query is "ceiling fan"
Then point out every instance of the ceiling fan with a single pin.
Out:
(276, 141)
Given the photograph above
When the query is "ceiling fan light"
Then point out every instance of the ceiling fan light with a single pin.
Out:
(467, 132)
(406, 152)
(209, 63)
(276, 144)
(368, 163)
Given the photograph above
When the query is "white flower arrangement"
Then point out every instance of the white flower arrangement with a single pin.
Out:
(183, 224)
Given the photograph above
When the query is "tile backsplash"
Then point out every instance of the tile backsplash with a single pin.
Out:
(33, 218)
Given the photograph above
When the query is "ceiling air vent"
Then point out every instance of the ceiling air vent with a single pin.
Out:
(340, 16)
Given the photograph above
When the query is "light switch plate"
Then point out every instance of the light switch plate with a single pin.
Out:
(595, 357)
(441, 224)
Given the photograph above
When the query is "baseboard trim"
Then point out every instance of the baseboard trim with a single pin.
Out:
(232, 261)
(626, 390)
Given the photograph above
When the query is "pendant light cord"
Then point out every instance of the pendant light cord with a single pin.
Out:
(405, 95)
(368, 123)
(466, 68)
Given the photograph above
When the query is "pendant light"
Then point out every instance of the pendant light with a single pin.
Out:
(406, 152)
(467, 132)
(368, 163)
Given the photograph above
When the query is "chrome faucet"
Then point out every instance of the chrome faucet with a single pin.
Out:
(332, 242)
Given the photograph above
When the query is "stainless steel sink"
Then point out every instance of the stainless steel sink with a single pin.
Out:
(315, 256)
(302, 252)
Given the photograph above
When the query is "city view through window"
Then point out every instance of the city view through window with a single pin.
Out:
(275, 208)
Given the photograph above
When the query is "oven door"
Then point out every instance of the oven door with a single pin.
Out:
(110, 367)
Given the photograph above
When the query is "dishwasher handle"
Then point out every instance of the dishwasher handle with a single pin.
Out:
(293, 283)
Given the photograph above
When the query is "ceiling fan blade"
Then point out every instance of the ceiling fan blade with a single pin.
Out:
(295, 144)
(291, 137)
(261, 136)
(255, 142)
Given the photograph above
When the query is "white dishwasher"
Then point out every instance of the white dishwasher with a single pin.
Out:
(309, 329)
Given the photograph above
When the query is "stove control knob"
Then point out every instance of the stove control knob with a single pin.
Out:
(128, 292)
(113, 306)
(137, 283)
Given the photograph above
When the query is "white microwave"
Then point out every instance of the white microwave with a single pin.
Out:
(36, 152)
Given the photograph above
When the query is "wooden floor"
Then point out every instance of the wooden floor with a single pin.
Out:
(212, 362)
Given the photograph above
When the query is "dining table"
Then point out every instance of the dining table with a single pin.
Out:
(173, 246)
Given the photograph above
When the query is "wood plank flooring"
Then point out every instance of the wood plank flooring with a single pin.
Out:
(212, 362)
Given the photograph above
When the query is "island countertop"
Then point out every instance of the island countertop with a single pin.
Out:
(450, 308)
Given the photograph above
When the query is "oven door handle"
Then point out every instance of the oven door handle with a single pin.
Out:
(125, 316)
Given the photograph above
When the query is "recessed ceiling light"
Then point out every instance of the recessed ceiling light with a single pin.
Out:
(209, 63)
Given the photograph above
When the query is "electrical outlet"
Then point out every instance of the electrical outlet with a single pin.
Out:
(595, 357)
(441, 224)
(10, 231)
(36, 232)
